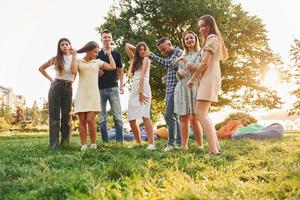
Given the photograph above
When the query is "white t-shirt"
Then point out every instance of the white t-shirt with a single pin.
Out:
(66, 74)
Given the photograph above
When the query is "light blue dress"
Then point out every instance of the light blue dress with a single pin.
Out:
(184, 97)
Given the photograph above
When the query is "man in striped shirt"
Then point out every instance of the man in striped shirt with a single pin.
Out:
(166, 48)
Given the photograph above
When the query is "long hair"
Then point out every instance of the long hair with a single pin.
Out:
(59, 61)
(88, 47)
(185, 48)
(210, 21)
(138, 60)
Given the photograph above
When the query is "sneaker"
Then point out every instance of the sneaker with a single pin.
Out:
(169, 148)
(151, 147)
(177, 146)
(93, 146)
(201, 148)
(83, 147)
(184, 147)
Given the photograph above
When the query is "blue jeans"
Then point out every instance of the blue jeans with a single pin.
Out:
(111, 95)
(172, 121)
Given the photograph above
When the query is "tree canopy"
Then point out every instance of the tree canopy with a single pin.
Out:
(245, 37)
(295, 71)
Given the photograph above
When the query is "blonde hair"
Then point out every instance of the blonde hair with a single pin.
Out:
(210, 21)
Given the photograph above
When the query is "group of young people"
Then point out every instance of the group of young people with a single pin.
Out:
(193, 81)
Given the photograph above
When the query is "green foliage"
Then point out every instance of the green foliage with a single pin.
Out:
(246, 170)
(244, 118)
(4, 126)
(295, 70)
(35, 114)
(245, 36)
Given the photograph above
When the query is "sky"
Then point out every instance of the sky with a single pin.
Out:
(30, 30)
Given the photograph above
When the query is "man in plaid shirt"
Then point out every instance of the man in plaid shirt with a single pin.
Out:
(166, 48)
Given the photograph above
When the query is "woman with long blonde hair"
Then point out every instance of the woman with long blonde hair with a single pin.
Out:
(208, 73)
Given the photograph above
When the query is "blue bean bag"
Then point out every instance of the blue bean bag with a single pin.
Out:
(274, 130)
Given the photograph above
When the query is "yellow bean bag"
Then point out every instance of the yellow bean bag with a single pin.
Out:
(162, 133)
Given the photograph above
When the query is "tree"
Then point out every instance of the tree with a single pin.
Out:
(44, 113)
(245, 36)
(35, 114)
(295, 71)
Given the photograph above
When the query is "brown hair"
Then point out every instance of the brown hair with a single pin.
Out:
(161, 40)
(88, 47)
(197, 46)
(138, 60)
(59, 61)
(210, 21)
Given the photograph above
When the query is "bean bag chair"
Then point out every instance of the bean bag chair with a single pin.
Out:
(251, 128)
(227, 130)
(162, 133)
(274, 130)
(128, 136)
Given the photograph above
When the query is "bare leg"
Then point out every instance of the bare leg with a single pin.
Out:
(82, 127)
(184, 129)
(202, 108)
(92, 126)
(197, 130)
(149, 130)
(136, 131)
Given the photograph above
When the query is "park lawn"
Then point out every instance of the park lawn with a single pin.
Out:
(246, 169)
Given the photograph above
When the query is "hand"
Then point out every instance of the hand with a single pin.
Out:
(164, 79)
(178, 59)
(181, 73)
(100, 72)
(190, 83)
(73, 52)
(121, 88)
(142, 98)
(191, 67)
(107, 51)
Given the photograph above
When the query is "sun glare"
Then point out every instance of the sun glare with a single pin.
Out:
(271, 79)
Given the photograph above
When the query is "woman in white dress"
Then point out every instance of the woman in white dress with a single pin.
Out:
(87, 100)
(140, 95)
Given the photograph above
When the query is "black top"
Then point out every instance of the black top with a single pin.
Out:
(109, 78)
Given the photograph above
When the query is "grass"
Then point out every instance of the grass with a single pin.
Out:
(246, 169)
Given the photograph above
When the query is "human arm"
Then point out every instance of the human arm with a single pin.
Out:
(129, 48)
(204, 64)
(146, 64)
(209, 49)
(121, 78)
(111, 65)
(44, 66)
(74, 63)
(167, 62)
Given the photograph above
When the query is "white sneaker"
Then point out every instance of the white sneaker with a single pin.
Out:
(169, 148)
(93, 146)
(83, 147)
(151, 147)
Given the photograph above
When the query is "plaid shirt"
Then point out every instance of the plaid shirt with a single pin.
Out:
(171, 71)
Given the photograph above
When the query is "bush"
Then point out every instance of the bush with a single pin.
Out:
(4, 125)
(244, 118)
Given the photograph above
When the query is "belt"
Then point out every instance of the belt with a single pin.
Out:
(67, 82)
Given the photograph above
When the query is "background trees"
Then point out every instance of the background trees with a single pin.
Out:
(250, 56)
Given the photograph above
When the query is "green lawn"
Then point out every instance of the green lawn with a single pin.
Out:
(246, 170)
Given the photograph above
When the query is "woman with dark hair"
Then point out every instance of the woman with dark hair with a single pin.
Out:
(60, 94)
(87, 100)
(208, 73)
(140, 95)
